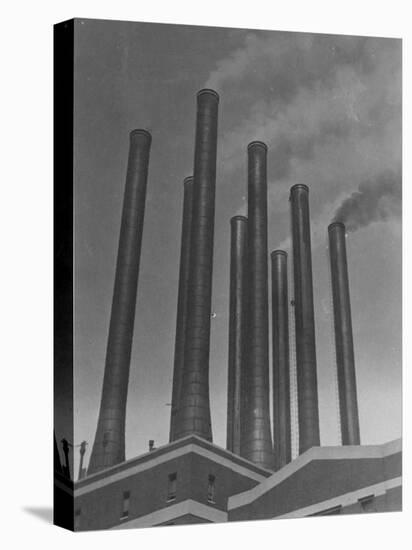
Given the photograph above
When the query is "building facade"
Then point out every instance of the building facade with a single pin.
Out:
(194, 481)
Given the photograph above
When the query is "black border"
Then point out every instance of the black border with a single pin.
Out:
(63, 84)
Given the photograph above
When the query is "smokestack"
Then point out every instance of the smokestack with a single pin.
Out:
(109, 443)
(237, 329)
(281, 370)
(256, 444)
(308, 412)
(181, 319)
(345, 359)
(193, 416)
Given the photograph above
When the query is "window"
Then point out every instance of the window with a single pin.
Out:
(211, 489)
(126, 502)
(171, 489)
(77, 516)
(367, 503)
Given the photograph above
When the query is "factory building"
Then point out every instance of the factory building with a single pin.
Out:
(190, 479)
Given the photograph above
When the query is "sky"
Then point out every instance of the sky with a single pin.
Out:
(329, 109)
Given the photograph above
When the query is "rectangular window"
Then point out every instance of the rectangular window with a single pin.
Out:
(367, 503)
(171, 488)
(77, 516)
(125, 506)
(211, 489)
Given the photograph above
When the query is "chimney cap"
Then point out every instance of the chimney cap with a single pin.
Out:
(140, 132)
(279, 253)
(336, 224)
(188, 179)
(238, 217)
(299, 186)
(257, 143)
(208, 91)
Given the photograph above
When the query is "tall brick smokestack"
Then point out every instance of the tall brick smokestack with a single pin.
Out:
(181, 318)
(281, 367)
(345, 359)
(256, 441)
(109, 443)
(237, 329)
(308, 411)
(193, 416)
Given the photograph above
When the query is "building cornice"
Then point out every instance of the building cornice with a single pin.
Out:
(190, 444)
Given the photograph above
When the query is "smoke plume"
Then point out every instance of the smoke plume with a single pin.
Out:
(329, 110)
(376, 200)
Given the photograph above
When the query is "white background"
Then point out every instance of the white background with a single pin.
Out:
(26, 271)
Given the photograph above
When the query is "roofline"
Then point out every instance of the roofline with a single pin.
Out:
(168, 452)
(167, 447)
(314, 453)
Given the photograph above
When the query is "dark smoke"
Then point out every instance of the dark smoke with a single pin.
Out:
(376, 200)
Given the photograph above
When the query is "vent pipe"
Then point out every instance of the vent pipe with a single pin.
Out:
(66, 452)
(193, 416)
(256, 444)
(345, 359)
(181, 318)
(109, 443)
(281, 368)
(308, 412)
(237, 329)
(82, 451)
(57, 462)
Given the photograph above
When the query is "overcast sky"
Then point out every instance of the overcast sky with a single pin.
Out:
(329, 109)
